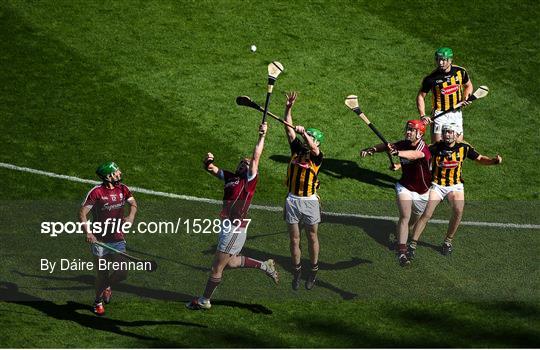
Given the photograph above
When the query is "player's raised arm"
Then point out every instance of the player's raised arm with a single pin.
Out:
(257, 151)
(291, 99)
(310, 140)
(210, 166)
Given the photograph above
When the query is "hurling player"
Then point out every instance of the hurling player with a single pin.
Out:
(106, 202)
(239, 188)
(448, 157)
(412, 189)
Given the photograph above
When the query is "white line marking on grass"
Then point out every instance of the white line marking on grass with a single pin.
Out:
(255, 206)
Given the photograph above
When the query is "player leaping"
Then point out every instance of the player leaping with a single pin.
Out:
(238, 192)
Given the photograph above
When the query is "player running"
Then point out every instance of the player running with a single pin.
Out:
(238, 192)
(302, 203)
(107, 201)
(412, 189)
(449, 85)
(447, 182)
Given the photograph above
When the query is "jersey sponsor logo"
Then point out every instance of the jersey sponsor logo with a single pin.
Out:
(109, 207)
(449, 90)
(232, 183)
(452, 164)
(113, 197)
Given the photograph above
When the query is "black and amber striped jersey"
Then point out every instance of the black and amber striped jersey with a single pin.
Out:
(446, 87)
(303, 170)
(447, 162)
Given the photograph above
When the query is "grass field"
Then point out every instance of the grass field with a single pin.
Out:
(152, 85)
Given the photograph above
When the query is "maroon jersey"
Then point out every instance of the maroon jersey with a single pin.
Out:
(108, 203)
(416, 175)
(237, 195)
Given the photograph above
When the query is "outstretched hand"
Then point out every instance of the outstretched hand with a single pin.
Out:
(367, 152)
(291, 98)
(209, 159)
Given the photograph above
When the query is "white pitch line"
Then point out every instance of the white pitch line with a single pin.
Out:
(255, 206)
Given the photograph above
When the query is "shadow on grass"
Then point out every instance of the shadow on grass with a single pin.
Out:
(380, 230)
(348, 169)
(9, 292)
(285, 263)
(446, 325)
(158, 294)
(481, 324)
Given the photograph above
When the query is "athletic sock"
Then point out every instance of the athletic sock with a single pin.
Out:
(413, 244)
(314, 268)
(297, 269)
(402, 248)
(211, 286)
(448, 240)
(248, 262)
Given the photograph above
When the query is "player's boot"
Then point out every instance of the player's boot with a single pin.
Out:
(411, 251)
(446, 248)
(107, 295)
(403, 260)
(98, 308)
(271, 270)
(297, 275)
(199, 304)
(310, 281)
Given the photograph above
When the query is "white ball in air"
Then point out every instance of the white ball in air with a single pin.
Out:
(253, 48)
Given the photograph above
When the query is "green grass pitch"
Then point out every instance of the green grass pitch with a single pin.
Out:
(152, 86)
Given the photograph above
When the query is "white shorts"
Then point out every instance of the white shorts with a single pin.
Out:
(450, 117)
(419, 201)
(231, 239)
(302, 209)
(443, 191)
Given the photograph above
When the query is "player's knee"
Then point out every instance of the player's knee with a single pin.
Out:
(426, 215)
(458, 213)
(234, 263)
(404, 219)
(312, 236)
(217, 270)
(295, 243)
